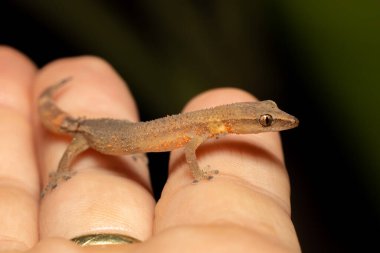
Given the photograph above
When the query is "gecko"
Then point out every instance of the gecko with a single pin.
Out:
(123, 137)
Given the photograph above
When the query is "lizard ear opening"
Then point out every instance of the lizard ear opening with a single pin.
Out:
(266, 120)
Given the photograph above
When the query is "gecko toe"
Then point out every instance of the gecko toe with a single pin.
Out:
(66, 177)
(205, 175)
(55, 178)
(47, 189)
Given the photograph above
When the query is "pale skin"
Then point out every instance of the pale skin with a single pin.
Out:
(244, 208)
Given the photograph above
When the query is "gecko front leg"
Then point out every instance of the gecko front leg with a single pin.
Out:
(191, 159)
(63, 173)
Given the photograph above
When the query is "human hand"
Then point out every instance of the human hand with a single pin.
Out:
(246, 208)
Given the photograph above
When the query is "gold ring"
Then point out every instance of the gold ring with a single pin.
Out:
(104, 239)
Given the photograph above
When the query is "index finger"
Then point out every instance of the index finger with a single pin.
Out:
(251, 192)
(19, 182)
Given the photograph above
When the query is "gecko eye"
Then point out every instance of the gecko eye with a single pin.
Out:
(266, 120)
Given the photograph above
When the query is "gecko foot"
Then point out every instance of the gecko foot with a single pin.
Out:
(54, 179)
(204, 174)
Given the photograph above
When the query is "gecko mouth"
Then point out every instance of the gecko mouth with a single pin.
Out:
(289, 123)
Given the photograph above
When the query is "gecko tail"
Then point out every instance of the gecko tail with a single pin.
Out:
(53, 117)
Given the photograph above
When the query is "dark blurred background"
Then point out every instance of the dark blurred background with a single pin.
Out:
(319, 60)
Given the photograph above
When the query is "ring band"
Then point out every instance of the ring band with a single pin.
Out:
(104, 239)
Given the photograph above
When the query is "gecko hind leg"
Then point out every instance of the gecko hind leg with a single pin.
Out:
(191, 159)
(63, 173)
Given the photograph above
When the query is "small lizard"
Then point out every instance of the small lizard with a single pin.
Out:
(188, 130)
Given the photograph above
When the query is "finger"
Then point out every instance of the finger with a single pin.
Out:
(108, 194)
(251, 191)
(19, 184)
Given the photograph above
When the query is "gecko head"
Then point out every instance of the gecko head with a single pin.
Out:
(270, 123)
(257, 117)
(271, 118)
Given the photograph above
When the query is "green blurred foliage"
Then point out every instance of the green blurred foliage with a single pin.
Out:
(341, 42)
